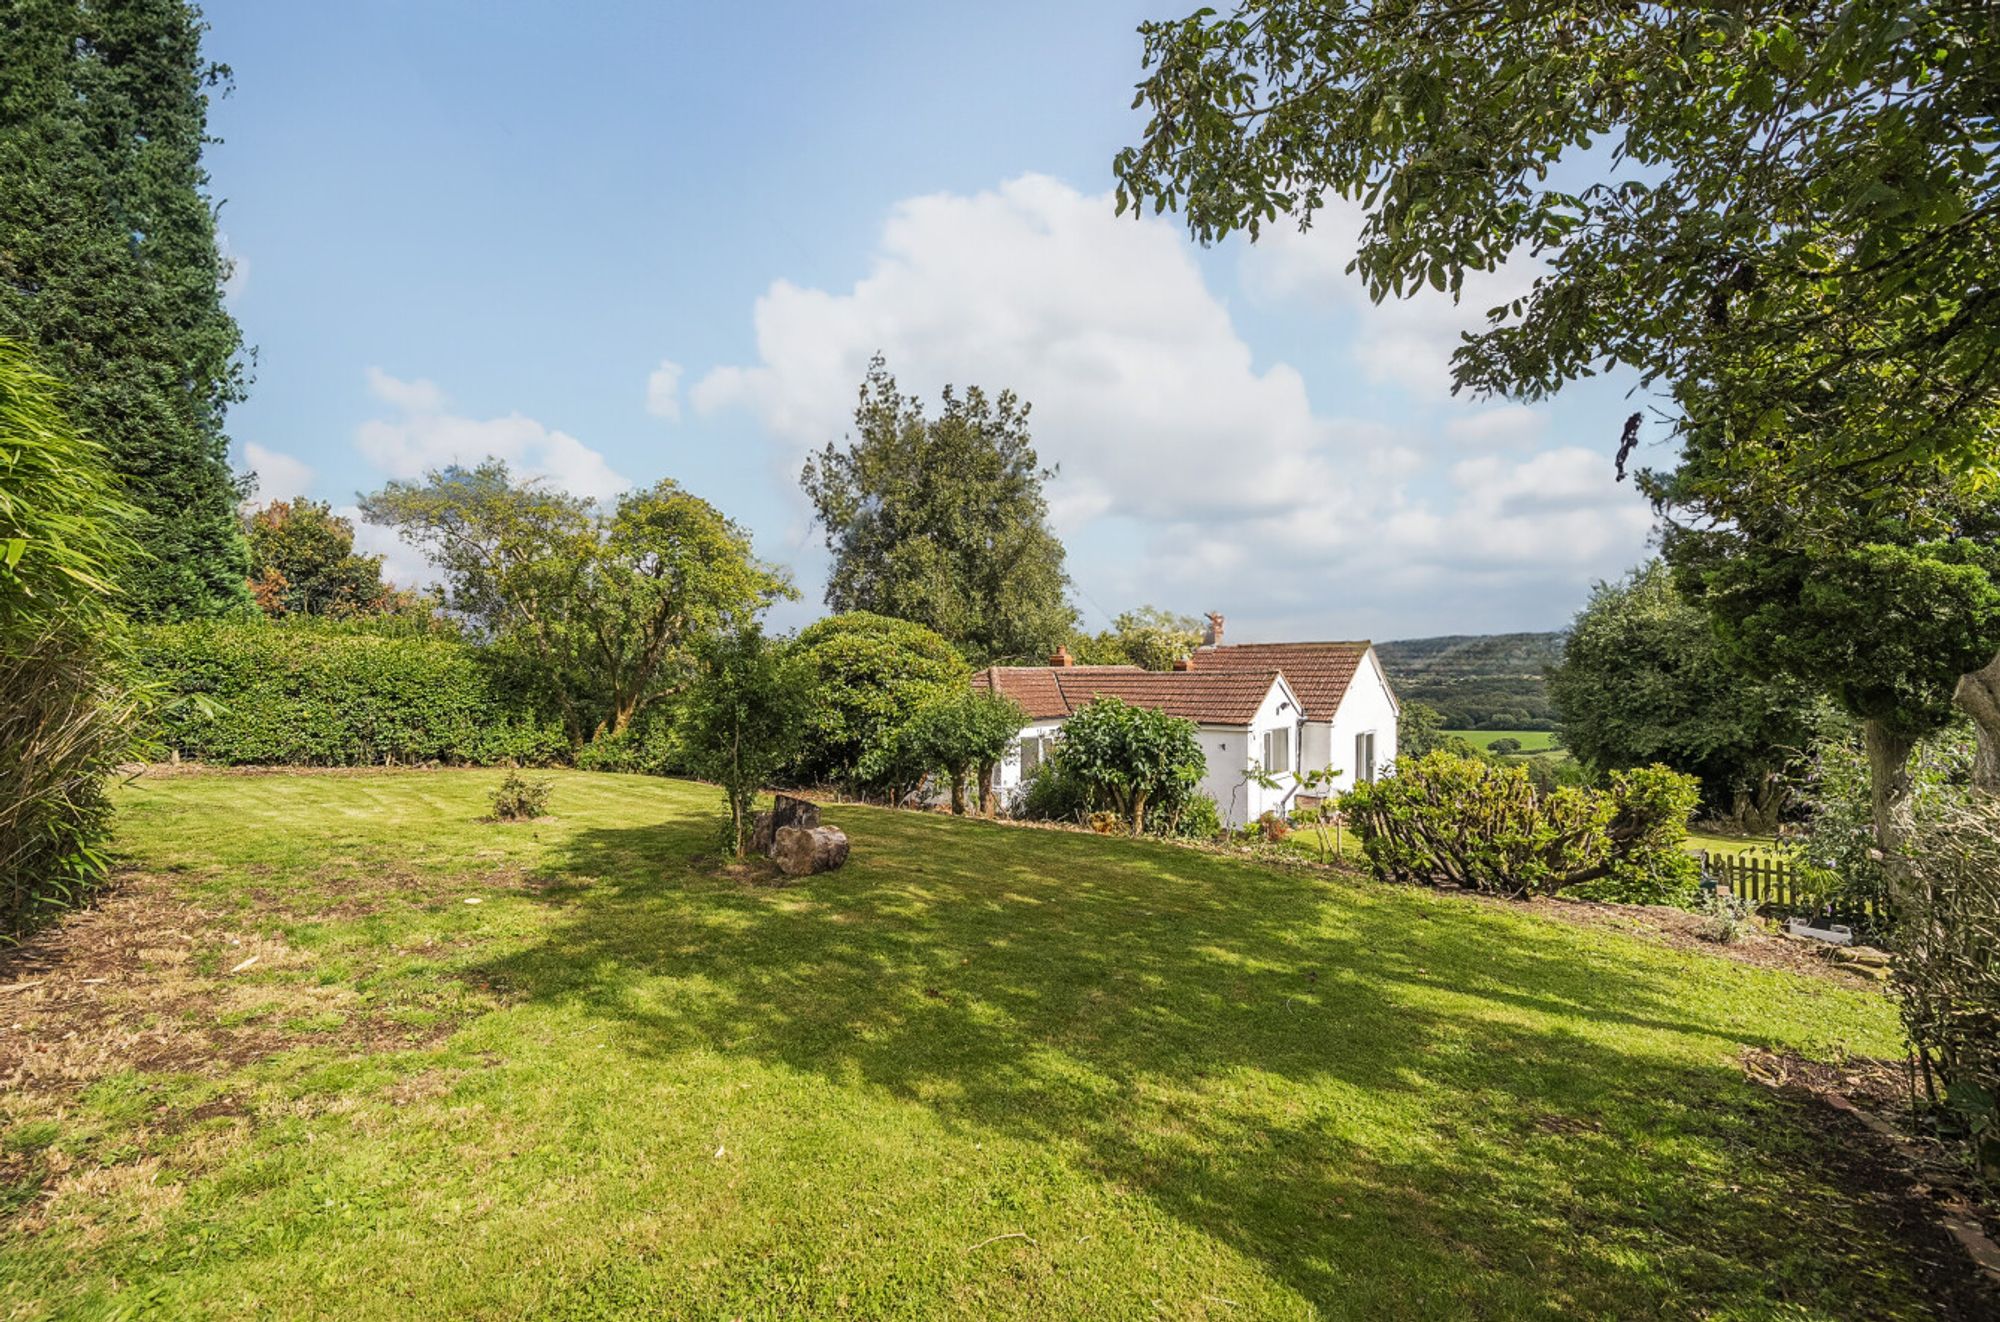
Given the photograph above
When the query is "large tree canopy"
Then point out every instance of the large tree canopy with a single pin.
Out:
(109, 271)
(611, 604)
(942, 521)
(1644, 680)
(1788, 211)
(302, 562)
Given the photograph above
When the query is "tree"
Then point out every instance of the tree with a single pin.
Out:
(109, 271)
(1419, 729)
(741, 718)
(1794, 213)
(1794, 228)
(958, 733)
(609, 605)
(67, 708)
(871, 674)
(1148, 637)
(942, 521)
(1132, 755)
(1886, 627)
(1645, 680)
(302, 562)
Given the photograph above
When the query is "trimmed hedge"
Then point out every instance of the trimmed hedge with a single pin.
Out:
(257, 693)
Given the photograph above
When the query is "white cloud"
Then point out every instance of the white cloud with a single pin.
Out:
(663, 391)
(425, 435)
(1227, 484)
(1406, 341)
(402, 564)
(279, 476)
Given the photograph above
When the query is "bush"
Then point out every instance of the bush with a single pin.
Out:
(871, 674)
(67, 711)
(1131, 757)
(1508, 744)
(1836, 843)
(1445, 818)
(1053, 793)
(1947, 970)
(521, 800)
(1196, 819)
(251, 693)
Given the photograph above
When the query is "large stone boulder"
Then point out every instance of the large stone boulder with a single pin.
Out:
(785, 811)
(800, 851)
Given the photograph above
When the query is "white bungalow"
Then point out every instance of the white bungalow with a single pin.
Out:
(1280, 707)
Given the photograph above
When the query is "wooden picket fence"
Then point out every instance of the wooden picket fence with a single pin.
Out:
(1769, 881)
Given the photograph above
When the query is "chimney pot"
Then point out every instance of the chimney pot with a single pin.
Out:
(1212, 636)
(1060, 657)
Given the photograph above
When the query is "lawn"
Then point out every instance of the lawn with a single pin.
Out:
(1532, 741)
(983, 1071)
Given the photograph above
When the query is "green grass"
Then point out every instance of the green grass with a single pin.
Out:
(1532, 741)
(1187, 1086)
(1730, 844)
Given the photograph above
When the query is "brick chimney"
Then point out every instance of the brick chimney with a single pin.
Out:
(1061, 657)
(1184, 663)
(1212, 635)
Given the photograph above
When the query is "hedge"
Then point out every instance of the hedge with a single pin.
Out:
(295, 694)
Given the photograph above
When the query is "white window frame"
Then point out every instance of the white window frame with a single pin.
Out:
(1278, 758)
(1364, 757)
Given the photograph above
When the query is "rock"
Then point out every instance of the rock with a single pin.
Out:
(785, 811)
(800, 851)
(1865, 955)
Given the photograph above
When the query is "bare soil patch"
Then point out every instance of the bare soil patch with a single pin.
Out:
(1680, 929)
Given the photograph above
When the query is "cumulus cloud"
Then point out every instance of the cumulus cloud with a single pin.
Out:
(278, 476)
(663, 391)
(402, 564)
(424, 434)
(1218, 471)
(1406, 341)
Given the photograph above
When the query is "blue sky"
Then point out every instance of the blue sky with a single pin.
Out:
(615, 242)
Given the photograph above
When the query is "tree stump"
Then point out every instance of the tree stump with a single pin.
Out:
(785, 811)
(800, 851)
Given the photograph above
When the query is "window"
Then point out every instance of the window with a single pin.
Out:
(1277, 750)
(1364, 757)
(1031, 755)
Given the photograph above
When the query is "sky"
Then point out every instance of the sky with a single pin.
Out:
(611, 243)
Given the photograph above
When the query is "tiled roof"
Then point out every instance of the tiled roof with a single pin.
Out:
(1318, 672)
(1055, 692)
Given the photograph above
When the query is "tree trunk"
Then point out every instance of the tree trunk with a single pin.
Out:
(1889, 796)
(1138, 814)
(1978, 696)
(986, 771)
(958, 794)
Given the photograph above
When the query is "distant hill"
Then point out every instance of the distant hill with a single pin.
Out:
(1479, 681)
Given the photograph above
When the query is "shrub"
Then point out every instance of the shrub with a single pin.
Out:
(954, 734)
(871, 673)
(67, 710)
(1445, 818)
(1053, 793)
(304, 695)
(1724, 917)
(1196, 819)
(1836, 843)
(521, 800)
(1947, 969)
(1132, 756)
(1509, 744)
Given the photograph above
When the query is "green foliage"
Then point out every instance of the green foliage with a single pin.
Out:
(302, 562)
(612, 607)
(1506, 745)
(1419, 729)
(1835, 845)
(1132, 756)
(305, 695)
(1148, 637)
(1644, 679)
(871, 673)
(1054, 793)
(1789, 216)
(519, 799)
(742, 719)
(942, 521)
(1947, 969)
(67, 714)
(1476, 681)
(955, 734)
(1444, 818)
(109, 273)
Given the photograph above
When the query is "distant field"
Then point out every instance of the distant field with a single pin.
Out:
(1730, 844)
(1532, 741)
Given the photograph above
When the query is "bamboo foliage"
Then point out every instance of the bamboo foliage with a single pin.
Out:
(67, 711)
